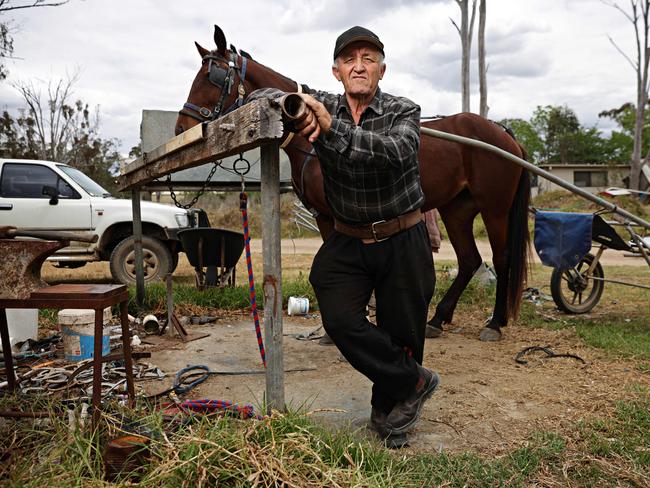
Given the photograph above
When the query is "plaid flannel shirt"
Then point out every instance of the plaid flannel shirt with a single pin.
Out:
(370, 170)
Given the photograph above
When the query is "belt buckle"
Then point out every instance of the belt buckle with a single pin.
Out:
(374, 231)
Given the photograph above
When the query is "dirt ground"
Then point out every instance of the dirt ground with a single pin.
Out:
(446, 253)
(486, 403)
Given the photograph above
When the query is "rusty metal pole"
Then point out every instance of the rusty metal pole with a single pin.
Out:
(272, 276)
(126, 350)
(97, 366)
(137, 245)
(6, 351)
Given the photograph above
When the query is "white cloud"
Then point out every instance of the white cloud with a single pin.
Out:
(136, 55)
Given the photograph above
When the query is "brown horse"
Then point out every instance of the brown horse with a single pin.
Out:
(460, 181)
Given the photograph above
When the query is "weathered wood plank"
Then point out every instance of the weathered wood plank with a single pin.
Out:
(272, 276)
(191, 136)
(250, 126)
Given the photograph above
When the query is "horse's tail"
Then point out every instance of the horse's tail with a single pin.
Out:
(518, 244)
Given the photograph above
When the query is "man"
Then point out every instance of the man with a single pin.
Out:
(367, 143)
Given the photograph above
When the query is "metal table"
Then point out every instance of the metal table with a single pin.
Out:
(85, 296)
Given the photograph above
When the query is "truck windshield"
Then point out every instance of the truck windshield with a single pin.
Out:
(91, 187)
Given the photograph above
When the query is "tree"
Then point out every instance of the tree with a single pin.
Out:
(625, 117)
(527, 136)
(562, 139)
(53, 127)
(6, 40)
(638, 17)
(482, 67)
(554, 124)
(465, 32)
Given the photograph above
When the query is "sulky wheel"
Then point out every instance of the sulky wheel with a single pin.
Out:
(574, 290)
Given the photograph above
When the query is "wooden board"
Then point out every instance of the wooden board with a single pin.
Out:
(250, 126)
(191, 136)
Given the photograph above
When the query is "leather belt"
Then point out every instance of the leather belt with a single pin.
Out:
(382, 229)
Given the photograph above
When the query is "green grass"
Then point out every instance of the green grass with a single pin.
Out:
(618, 334)
(292, 449)
(228, 298)
(237, 297)
(562, 200)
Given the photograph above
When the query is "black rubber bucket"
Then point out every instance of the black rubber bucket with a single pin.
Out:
(205, 246)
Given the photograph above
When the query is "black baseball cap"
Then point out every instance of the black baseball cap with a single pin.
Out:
(355, 34)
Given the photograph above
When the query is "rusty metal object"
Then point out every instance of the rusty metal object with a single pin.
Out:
(20, 266)
(8, 232)
(24, 415)
(126, 456)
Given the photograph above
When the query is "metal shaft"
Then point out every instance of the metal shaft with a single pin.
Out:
(538, 171)
(11, 232)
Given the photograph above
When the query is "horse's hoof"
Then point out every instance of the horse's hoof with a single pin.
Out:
(432, 331)
(490, 335)
(326, 340)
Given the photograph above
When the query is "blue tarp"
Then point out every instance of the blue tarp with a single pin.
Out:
(561, 238)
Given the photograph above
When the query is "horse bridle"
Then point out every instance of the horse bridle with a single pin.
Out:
(224, 79)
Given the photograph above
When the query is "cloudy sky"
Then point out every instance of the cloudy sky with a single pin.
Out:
(137, 54)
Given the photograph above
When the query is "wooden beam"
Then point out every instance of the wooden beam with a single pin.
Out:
(191, 136)
(272, 269)
(250, 126)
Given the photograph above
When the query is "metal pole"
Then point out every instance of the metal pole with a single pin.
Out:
(137, 246)
(272, 276)
(170, 300)
(538, 171)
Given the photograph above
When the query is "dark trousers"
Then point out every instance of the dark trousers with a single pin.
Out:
(400, 271)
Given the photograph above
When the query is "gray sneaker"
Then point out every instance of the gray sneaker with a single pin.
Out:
(407, 412)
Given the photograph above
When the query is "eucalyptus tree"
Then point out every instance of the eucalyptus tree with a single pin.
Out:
(637, 14)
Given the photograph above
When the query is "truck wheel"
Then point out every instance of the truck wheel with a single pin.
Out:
(157, 260)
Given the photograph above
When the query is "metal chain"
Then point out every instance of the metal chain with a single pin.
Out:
(198, 194)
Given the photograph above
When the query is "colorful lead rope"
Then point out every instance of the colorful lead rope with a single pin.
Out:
(243, 205)
(245, 411)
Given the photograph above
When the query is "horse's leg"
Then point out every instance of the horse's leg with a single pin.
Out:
(458, 216)
(507, 228)
(497, 230)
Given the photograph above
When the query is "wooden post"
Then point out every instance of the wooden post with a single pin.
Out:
(272, 276)
(137, 245)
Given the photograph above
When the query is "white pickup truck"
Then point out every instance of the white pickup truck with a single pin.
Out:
(43, 195)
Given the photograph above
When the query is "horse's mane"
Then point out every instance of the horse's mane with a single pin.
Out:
(511, 133)
(244, 54)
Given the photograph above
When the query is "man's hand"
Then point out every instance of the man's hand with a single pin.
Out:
(316, 120)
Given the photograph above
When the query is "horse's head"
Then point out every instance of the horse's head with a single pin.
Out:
(217, 87)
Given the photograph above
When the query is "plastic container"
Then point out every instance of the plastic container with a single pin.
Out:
(150, 324)
(298, 306)
(78, 330)
(23, 324)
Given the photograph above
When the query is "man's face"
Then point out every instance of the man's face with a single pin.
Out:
(359, 67)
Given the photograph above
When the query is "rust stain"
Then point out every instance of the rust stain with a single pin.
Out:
(271, 281)
(20, 266)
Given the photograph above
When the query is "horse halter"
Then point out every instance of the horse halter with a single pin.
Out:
(224, 79)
